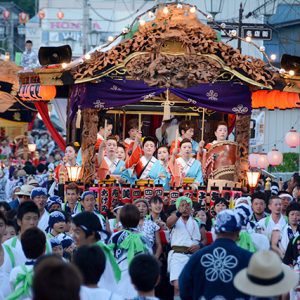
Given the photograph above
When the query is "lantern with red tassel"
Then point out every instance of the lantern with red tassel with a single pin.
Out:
(23, 17)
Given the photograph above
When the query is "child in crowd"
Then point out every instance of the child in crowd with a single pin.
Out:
(127, 243)
(33, 242)
(57, 224)
(90, 260)
(68, 245)
(144, 273)
(114, 223)
(56, 246)
(53, 203)
(10, 230)
(149, 228)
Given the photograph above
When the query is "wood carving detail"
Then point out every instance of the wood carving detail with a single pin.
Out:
(89, 139)
(194, 37)
(179, 71)
(242, 127)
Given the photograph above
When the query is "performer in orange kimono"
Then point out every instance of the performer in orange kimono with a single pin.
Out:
(132, 126)
(186, 131)
(109, 164)
(103, 131)
(142, 163)
(185, 166)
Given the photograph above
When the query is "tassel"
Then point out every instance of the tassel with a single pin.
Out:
(78, 119)
(167, 108)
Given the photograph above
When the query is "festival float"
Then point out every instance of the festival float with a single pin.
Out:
(166, 62)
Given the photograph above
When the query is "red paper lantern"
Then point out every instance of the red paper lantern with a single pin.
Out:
(292, 138)
(6, 14)
(275, 157)
(23, 18)
(60, 15)
(252, 158)
(41, 14)
(262, 161)
(37, 92)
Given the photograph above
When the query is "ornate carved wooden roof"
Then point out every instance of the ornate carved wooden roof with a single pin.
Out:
(178, 48)
(175, 49)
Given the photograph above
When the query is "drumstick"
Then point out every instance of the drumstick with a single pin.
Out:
(176, 139)
(140, 122)
(202, 130)
(105, 125)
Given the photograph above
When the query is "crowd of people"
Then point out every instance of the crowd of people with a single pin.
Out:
(55, 246)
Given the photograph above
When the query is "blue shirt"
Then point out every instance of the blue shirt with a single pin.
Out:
(211, 270)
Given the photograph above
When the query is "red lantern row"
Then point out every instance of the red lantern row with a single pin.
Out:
(60, 14)
(23, 17)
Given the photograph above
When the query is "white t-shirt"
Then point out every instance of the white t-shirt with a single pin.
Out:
(97, 293)
(43, 222)
(267, 224)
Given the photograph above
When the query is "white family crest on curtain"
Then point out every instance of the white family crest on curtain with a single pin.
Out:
(240, 109)
(192, 101)
(99, 104)
(115, 88)
(218, 265)
(212, 95)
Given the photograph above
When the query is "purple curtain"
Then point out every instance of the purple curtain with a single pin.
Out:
(233, 98)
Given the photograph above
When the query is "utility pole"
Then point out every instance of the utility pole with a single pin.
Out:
(241, 10)
(85, 26)
(11, 27)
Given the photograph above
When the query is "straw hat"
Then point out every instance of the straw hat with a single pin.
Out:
(25, 190)
(33, 182)
(266, 276)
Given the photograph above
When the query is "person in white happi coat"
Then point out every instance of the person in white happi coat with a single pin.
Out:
(39, 197)
(276, 218)
(281, 237)
(185, 239)
(27, 217)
